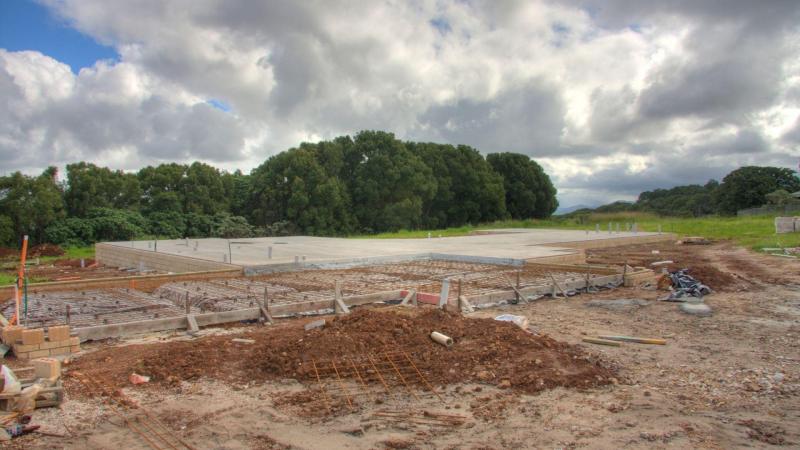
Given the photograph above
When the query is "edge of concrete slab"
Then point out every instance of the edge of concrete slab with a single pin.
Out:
(136, 281)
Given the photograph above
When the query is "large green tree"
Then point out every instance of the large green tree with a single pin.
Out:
(161, 187)
(468, 190)
(204, 190)
(90, 186)
(388, 184)
(31, 203)
(294, 187)
(529, 191)
(748, 186)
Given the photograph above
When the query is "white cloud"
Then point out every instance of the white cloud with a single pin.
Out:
(612, 87)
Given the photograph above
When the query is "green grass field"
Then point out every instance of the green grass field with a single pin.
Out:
(754, 232)
(70, 253)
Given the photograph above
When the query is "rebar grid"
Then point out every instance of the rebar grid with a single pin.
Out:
(347, 379)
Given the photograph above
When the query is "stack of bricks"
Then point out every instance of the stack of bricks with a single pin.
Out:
(32, 343)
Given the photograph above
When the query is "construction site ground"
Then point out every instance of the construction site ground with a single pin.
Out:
(724, 381)
(69, 270)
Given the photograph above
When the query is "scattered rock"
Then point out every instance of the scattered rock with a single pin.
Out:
(315, 324)
(696, 309)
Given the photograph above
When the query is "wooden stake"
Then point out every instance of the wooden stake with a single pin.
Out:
(637, 340)
(338, 303)
(411, 293)
(601, 341)
(465, 304)
(555, 283)
(21, 275)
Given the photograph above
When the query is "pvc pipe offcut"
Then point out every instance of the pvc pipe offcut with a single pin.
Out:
(439, 338)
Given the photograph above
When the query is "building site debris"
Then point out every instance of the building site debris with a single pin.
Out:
(696, 309)
(694, 240)
(598, 341)
(637, 340)
(440, 338)
(14, 425)
(520, 321)
(684, 285)
(464, 305)
(39, 388)
(135, 379)
(315, 324)
(243, 341)
(662, 263)
(10, 383)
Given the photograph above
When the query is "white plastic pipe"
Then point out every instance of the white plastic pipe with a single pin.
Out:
(439, 338)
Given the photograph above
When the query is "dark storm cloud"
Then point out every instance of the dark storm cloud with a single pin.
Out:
(687, 89)
(526, 120)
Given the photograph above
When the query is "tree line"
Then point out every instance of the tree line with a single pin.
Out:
(368, 183)
(745, 187)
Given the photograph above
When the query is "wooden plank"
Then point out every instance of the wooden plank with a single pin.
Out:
(466, 306)
(444, 294)
(408, 297)
(265, 313)
(192, 324)
(338, 305)
(216, 318)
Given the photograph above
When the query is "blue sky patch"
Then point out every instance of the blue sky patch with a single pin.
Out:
(441, 24)
(26, 25)
(219, 104)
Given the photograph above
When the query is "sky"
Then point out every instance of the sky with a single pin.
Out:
(612, 97)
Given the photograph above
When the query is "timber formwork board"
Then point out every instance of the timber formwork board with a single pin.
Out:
(103, 313)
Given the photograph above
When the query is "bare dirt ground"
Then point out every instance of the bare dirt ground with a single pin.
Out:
(70, 269)
(727, 381)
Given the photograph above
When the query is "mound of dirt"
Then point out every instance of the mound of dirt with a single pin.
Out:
(45, 250)
(695, 258)
(485, 351)
(72, 262)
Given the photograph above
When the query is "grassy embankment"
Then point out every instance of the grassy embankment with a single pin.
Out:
(9, 267)
(754, 232)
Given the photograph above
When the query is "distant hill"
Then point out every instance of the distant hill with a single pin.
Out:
(568, 209)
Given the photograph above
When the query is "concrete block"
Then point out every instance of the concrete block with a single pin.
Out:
(60, 351)
(47, 367)
(58, 333)
(33, 336)
(12, 333)
(47, 345)
(38, 354)
(74, 340)
(74, 348)
(787, 224)
(26, 348)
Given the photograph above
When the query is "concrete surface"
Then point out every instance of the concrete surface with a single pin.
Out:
(515, 244)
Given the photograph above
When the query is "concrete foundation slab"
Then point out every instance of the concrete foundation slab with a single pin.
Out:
(511, 246)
